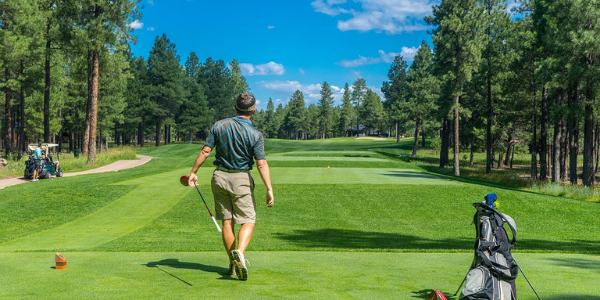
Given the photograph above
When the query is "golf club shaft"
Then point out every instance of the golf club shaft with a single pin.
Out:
(209, 212)
(527, 279)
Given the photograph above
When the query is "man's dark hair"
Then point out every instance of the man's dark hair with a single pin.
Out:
(244, 104)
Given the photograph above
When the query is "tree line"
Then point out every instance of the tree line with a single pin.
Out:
(528, 79)
(491, 81)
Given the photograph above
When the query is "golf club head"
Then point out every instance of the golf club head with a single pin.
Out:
(184, 180)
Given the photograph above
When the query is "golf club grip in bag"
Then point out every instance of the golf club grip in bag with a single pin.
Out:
(493, 270)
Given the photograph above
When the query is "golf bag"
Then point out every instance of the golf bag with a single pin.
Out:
(493, 271)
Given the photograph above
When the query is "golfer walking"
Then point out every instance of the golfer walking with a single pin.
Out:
(237, 144)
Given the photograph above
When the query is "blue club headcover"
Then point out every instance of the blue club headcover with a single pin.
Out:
(490, 199)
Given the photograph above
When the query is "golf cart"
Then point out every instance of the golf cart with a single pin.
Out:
(48, 166)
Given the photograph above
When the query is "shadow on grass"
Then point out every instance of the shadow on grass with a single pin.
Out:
(175, 263)
(580, 263)
(354, 239)
(408, 158)
(412, 174)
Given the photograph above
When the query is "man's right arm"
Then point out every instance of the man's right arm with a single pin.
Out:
(202, 156)
(265, 175)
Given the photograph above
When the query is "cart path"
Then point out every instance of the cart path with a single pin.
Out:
(114, 167)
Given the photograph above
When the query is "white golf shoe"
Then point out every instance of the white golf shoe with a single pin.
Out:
(240, 265)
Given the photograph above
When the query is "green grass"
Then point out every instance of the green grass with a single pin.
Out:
(278, 275)
(374, 225)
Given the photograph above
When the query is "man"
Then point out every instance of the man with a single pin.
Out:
(237, 143)
(37, 158)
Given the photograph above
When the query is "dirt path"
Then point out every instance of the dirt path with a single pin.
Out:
(114, 167)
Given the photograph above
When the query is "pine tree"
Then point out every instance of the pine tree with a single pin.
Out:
(165, 74)
(325, 110)
(424, 90)
(458, 40)
(395, 91)
(347, 113)
(97, 26)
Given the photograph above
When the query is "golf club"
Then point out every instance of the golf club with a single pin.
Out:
(184, 181)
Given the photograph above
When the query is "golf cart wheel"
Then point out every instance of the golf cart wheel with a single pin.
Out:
(59, 173)
(47, 175)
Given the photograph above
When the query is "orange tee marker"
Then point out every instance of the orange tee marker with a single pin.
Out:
(61, 261)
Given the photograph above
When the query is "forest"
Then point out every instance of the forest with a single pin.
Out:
(492, 80)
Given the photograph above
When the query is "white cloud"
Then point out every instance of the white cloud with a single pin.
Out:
(150, 28)
(301, 71)
(327, 7)
(136, 24)
(360, 61)
(270, 27)
(270, 68)
(390, 16)
(408, 54)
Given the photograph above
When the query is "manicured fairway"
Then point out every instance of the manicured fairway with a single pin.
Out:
(369, 226)
(278, 275)
(351, 176)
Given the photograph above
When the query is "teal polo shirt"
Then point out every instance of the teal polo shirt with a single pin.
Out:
(236, 143)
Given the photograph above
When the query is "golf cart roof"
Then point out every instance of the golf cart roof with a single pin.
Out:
(45, 146)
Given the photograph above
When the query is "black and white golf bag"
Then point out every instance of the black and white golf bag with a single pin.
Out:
(493, 271)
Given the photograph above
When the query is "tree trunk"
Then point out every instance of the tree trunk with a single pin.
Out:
(500, 160)
(444, 142)
(456, 139)
(573, 132)
(157, 135)
(93, 107)
(564, 147)
(21, 120)
(509, 150)
(47, 83)
(544, 136)
(534, 170)
(472, 154)
(141, 136)
(488, 127)
(416, 144)
(596, 149)
(588, 142)
(397, 132)
(166, 134)
(8, 116)
(557, 144)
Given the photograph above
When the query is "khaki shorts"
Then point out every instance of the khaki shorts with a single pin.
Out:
(234, 196)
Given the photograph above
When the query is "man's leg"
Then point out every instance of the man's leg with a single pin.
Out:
(244, 236)
(228, 236)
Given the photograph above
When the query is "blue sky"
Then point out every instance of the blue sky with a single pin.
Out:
(288, 45)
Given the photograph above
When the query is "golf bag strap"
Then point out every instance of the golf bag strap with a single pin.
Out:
(481, 207)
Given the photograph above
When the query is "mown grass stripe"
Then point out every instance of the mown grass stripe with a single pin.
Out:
(333, 175)
(154, 196)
